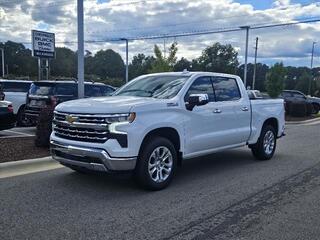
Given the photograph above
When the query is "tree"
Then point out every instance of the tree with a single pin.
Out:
(219, 58)
(140, 65)
(64, 65)
(275, 80)
(303, 82)
(182, 64)
(107, 64)
(161, 63)
(261, 71)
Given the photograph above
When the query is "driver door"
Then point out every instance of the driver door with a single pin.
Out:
(200, 121)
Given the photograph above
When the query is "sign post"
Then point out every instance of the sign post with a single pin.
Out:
(43, 47)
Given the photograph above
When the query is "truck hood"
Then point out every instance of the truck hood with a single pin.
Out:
(104, 105)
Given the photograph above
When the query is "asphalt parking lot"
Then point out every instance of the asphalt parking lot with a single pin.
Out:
(226, 195)
(18, 132)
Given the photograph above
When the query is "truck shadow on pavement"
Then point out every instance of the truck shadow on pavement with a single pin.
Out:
(191, 170)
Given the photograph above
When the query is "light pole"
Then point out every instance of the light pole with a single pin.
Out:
(80, 49)
(2, 57)
(246, 55)
(311, 66)
(255, 64)
(127, 53)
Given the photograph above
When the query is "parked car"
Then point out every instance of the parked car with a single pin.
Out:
(294, 96)
(50, 93)
(155, 121)
(16, 92)
(7, 118)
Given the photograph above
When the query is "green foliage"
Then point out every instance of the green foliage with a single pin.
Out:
(303, 82)
(182, 64)
(140, 65)
(64, 64)
(275, 80)
(219, 58)
(161, 63)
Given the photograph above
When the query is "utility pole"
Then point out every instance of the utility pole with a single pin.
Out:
(127, 58)
(80, 49)
(2, 57)
(246, 55)
(164, 48)
(311, 66)
(255, 64)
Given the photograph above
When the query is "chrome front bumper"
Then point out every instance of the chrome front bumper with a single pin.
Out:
(90, 158)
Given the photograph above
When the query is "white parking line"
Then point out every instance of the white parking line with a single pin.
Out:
(19, 133)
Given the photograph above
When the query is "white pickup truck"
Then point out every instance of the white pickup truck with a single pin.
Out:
(154, 122)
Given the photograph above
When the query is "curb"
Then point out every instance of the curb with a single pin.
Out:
(9, 169)
(303, 122)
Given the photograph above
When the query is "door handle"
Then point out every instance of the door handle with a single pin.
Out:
(245, 109)
(217, 110)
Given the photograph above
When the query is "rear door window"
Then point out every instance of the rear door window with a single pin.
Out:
(226, 89)
(66, 89)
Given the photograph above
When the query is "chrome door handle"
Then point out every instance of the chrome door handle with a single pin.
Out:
(245, 109)
(217, 110)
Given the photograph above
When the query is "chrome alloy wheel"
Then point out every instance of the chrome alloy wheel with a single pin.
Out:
(268, 142)
(160, 164)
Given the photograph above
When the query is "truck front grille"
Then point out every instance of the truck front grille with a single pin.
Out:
(80, 127)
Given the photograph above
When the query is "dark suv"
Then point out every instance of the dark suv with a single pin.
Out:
(44, 94)
(294, 96)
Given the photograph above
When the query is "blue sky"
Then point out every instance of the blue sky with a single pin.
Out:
(266, 4)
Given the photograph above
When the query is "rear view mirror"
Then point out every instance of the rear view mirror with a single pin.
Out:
(197, 100)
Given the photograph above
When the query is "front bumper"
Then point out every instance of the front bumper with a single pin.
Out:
(90, 158)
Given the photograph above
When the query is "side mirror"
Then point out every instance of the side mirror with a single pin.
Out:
(197, 100)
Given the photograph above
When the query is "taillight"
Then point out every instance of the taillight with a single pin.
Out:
(10, 108)
(54, 101)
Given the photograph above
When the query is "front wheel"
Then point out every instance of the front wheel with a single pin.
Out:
(265, 147)
(156, 164)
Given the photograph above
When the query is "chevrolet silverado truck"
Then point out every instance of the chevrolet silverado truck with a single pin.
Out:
(153, 123)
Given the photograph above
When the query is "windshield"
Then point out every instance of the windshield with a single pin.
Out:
(162, 87)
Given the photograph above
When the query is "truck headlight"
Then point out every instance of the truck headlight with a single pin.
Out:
(120, 118)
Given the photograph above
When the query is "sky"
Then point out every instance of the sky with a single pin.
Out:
(114, 19)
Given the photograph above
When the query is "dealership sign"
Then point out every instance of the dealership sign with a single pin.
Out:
(43, 44)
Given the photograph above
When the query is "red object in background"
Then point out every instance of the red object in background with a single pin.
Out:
(10, 108)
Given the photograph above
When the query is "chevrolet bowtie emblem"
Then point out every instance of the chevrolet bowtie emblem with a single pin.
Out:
(71, 119)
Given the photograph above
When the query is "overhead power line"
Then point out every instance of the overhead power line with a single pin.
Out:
(191, 33)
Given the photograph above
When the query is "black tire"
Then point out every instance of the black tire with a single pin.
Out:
(141, 172)
(44, 127)
(21, 117)
(316, 108)
(258, 150)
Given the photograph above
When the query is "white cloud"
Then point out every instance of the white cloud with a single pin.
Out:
(129, 18)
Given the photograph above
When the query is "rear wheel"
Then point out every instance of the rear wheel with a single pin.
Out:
(265, 147)
(316, 108)
(156, 164)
